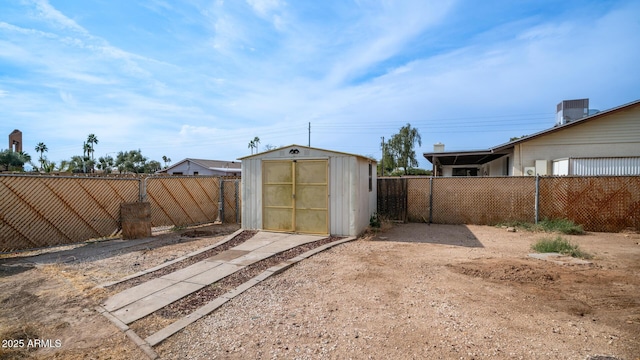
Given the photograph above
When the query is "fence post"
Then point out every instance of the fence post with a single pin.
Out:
(430, 200)
(221, 202)
(537, 202)
(142, 192)
(237, 183)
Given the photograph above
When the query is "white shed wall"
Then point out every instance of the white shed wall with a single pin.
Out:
(251, 185)
(350, 202)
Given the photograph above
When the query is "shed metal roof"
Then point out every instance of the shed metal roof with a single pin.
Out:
(308, 148)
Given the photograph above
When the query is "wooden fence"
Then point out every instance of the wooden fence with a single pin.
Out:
(41, 211)
(603, 203)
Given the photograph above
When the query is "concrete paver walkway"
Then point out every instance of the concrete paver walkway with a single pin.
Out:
(144, 299)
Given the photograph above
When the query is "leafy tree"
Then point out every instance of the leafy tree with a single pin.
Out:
(12, 160)
(131, 161)
(388, 160)
(106, 163)
(41, 148)
(401, 147)
(412, 171)
(152, 166)
(91, 141)
(516, 138)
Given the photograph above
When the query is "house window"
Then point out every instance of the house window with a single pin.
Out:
(464, 172)
(195, 173)
(370, 178)
(177, 173)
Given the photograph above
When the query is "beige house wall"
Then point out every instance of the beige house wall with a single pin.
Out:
(614, 135)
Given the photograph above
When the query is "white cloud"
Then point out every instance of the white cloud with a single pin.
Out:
(384, 32)
(67, 98)
(265, 8)
(46, 11)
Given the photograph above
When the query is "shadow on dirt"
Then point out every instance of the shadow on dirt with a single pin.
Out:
(456, 235)
(105, 249)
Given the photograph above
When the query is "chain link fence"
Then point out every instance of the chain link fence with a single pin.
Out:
(483, 200)
(603, 203)
(607, 203)
(40, 211)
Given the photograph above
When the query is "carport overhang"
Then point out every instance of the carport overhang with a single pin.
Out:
(463, 158)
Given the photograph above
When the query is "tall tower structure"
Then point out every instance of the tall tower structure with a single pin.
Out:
(15, 140)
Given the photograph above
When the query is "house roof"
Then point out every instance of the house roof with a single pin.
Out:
(306, 147)
(474, 157)
(478, 157)
(207, 164)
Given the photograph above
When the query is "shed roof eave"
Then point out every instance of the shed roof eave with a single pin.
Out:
(310, 148)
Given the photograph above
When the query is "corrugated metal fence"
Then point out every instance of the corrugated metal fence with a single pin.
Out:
(40, 211)
(603, 203)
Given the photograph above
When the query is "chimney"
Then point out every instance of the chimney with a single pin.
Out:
(438, 147)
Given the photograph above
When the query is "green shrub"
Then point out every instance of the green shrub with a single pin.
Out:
(559, 245)
(564, 226)
(374, 221)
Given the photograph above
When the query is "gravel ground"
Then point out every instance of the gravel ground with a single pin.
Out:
(481, 298)
(412, 292)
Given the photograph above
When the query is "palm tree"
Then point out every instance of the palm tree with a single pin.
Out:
(86, 151)
(91, 140)
(253, 144)
(167, 161)
(13, 160)
(41, 148)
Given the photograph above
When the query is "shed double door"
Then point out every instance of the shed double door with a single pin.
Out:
(295, 196)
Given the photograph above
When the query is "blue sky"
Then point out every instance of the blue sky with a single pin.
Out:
(200, 79)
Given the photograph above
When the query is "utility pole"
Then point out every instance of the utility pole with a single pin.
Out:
(382, 159)
(309, 133)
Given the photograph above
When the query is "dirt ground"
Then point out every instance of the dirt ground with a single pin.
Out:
(412, 291)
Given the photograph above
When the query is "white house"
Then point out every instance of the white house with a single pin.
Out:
(203, 167)
(308, 190)
(604, 143)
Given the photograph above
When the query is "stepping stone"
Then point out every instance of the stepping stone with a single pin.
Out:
(149, 304)
(191, 271)
(225, 256)
(136, 293)
(251, 258)
(215, 274)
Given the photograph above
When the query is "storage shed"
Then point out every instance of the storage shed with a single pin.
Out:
(308, 190)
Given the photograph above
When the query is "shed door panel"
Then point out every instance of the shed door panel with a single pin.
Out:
(277, 192)
(311, 197)
(295, 203)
